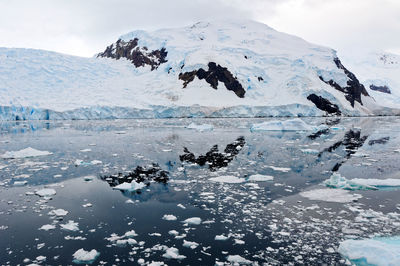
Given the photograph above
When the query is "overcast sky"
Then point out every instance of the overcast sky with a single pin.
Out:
(85, 27)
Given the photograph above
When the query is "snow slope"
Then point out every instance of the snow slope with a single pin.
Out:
(275, 73)
(381, 69)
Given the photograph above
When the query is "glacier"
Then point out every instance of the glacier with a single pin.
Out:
(193, 71)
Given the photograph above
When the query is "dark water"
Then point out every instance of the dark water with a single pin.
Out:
(264, 222)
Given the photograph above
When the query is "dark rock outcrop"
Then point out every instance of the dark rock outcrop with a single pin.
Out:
(214, 158)
(354, 88)
(139, 56)
(384, 89)
(139, 175)
(213, 75)
(324, 104)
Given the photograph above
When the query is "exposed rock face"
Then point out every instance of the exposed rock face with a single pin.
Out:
(139, 175)
(354, 88)
(324, 104)
(214, 74)
(384, 89)
(378, 141)
(139, 56)
(214, 158)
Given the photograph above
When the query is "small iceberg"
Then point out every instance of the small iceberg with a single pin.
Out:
(203, 127)
(46, 192)
(82, 256)
(375, 251)
(287, 125)
(133, 186)
(260, 178)
(25, 153)
(227, 179)
(338, 181)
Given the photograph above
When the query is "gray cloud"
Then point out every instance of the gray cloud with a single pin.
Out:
(86, 27)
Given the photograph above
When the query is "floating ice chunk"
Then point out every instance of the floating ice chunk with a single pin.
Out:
(260, 178)
(173, 253)
(74, 238)
(221, 238)
(330, 195)
(203, 127)
(87, 205)
(181, 206)
(227, 179)
(169, 217)
(95, 162)
(375, 251)
(338, 181)
(41, 258)
(47, 227)
(173, 232)
(287, 125)
(190, 244)
(20, 183)
(130, 186)
(237, 259)
(390, 182)
(279, 169)
(309, 151)
(122, 132)
(25, 153)
(58, 212)
(239, 242)
(46, 192)
(70, 226)
(193, 221)
(82, 256)
(85, 150)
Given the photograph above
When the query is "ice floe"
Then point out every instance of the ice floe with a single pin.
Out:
(203, 127)
(46, 192)
(58, 212)
(169, 217)
(221, 237)
(227, 179)
(47, 227)
(193, 221)
(279, 169)
(70, 226)
(338, 181)
(133, 186)
(173, 253)
(375, 251)
(260, 178)
(237, 259)
(25, 153)
(190, 244)
(330, 195)
(82, 256)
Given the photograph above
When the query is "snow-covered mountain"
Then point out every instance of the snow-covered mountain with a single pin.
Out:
(380, 73)
(216, 69)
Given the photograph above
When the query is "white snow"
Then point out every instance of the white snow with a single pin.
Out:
(203, 127)
(24, 153)
(330, 195)
(133, 186)
(169, 217)
(260, 178)
(38, 84)
(193, 221)
(46, 192)
(70, 226)
(173, 253)
(227, 179)
(83, 256)
(375, 251)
